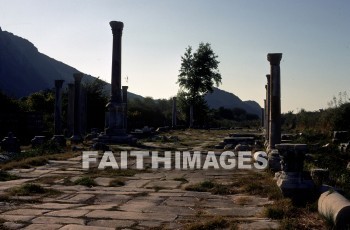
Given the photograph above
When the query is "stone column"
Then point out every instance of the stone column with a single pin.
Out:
(115, 120)
(58, 106)
(268, 106)
(263, 115)
(174, 113)
(70, 109)
(117, 30)
(58, 137)
(83, 111)
(125, 102)
(275, 99)
(76, 128)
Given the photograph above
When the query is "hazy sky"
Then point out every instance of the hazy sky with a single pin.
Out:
(313, 35)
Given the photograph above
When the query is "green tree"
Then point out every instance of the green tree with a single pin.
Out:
(198, 73)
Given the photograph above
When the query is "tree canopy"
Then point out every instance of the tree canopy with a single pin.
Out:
(198, 74)
(199, 71)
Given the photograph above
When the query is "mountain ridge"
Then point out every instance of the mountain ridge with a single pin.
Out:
(24, 70)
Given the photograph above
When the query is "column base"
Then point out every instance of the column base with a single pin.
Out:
(76, 139)
(59, 139)
(116, 139)
(296, 186)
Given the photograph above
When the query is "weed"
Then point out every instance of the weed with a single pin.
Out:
(209, 186)
(85, 181)
(158, 188)
(5, 176)
(32, 189)
(182, 179)
(243, 200)
(217, 223)
(117, 182)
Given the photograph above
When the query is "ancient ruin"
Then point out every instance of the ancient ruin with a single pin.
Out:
(58, 137)
(115, 131)
(77, 137)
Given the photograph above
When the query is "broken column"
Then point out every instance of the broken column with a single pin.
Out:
(293, 181)
(58, 137)
(76, 138)
(10, 144)
(336, 208)
(173, 123)
(125, 102)
(275, 99)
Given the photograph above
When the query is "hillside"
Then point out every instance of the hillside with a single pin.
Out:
(24, 70)
(221, 98)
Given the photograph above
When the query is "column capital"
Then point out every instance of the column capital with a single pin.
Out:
(274, 58)
(117, 27)
(59, 83)
(78, 76)
(124, 87)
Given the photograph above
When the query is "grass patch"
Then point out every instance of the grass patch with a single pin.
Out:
(109, 172)
(182, 179)
(258, 184)
(209, 186)
(32, 159)
(140, 194)
(217, 223)
(243, 200)
(158, 188)
(48, 179)
(117, 182)
(5, 176)
(279, 210)
(32, 189)
(85, 181)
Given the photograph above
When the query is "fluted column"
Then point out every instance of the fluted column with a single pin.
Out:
(275, 99)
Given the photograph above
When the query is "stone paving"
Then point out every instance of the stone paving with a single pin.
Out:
(154, 199)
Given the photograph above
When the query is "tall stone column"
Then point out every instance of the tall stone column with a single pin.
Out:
(125, 101)
(174, 113)
(58, 137)
(58, 106)
(70, 109)
(268, 106)
(263, 116)
(76, 128)
(117, 30)
(266, 120)
(115, 125)
(275, 99)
